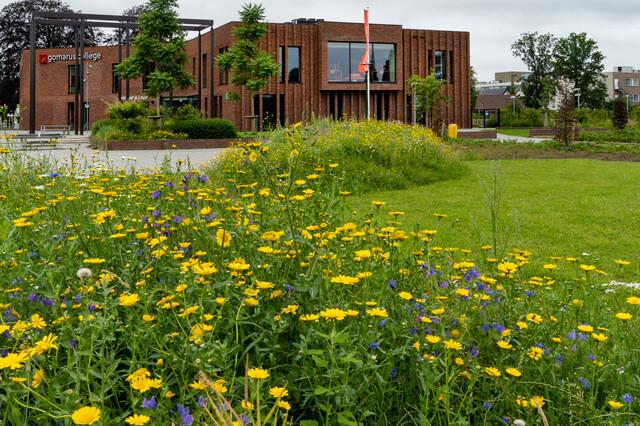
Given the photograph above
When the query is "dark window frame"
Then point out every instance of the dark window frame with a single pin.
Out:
(205, 83)
(72, 78)
(115, 80)
(350, 71)
(299, 67)
(223, 75)
(440, 65)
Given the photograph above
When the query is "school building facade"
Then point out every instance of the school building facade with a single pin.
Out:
(318, 76)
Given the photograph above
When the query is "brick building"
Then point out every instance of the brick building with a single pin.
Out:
(623, 82)
(318, 75)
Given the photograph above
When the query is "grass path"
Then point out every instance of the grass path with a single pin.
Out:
(551, 207)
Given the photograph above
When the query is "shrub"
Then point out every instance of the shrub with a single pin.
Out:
(128, 116)
(620, 114)
(98, 125)
(629, 134)
(526, 117)
(371, 155)
(213, 128)
(164, 134)
(186, 112)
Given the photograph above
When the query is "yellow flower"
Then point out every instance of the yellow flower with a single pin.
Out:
(333, 314)
(405, 295)
(345, 280)
(431, 339)
(137, 419)
(452, 344)
(535, 353)
(615, 404)
(492, 372)
(44, 344)
(586, 328)
(223, 238)
(507, 268)
(624, 316)
(309, 317)
(128, 300)
(94, 261)
(278, 392)
(38, 377)
(284, 405)
(550, 266)
(38, 322)
(13, 361)
(587, 268)
(536, 401)
(503, 344)
(257, 373)
(622, 262)
(253, 156)
(86, 415)
(513, 372)
(290, 309)
(633, 300)
(378, 312)
(600, 337)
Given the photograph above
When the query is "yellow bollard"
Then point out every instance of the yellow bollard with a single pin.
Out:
(453, 131)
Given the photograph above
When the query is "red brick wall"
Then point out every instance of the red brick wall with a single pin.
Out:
(303, 100)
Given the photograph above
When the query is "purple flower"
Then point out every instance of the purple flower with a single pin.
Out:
(443, 284)
(529, 293)
(245, 418)
(156, 213)
(471, 275)
(73, 343)
(47, 302)
(155, 195)
(474, 351)
(382, 323)
(627, 398)
(203, 178)
(54, 175)
(91, 307)
(392, 284)
(393, 374)
(288, 287)
(201, 402)
(487, 405)
(373, 346)
(585, 383)
(32, 297)
(187, 418)
(572, 335)
(176, 219)
(149, 404)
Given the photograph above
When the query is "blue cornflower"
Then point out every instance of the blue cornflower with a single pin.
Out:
(382, 323)
(393, 374)
(487, 404)
(187, 418)
(392, 284)
(585, 383)
(474, 351)
(374, 345)
(201, 402)
(155, 195)
(627, 398)
(149, 404)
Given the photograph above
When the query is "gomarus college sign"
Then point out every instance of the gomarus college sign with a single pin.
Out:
(68, 57)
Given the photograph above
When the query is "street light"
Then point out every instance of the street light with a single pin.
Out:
(513, 98)
(627, 96)
(577, 92)
(86, 96)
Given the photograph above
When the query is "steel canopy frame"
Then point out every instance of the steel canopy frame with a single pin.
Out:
(80, 21)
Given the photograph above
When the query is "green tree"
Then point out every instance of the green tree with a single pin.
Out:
(250, 67)
(472, 86)
(578, 59)
(537, 53)
(430, 99)
(158, 51)
(620, 113)
(566, 115)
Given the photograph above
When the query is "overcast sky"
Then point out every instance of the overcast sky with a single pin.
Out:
(493, 24)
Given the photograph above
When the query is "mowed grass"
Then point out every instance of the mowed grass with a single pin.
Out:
(515, 132)
(586, 209)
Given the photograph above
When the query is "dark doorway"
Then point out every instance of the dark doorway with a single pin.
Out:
(71, 115)
(269, 112)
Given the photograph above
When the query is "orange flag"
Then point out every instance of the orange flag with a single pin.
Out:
(364, 62)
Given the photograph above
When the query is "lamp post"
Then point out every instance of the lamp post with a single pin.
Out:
(86, 97)
(577, 92)
(627, 96)
(513, 98)
(413, 101)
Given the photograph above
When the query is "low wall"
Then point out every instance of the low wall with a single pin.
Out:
(166, 144)
(477, 134)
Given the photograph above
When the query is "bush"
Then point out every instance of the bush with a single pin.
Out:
(629, 134)
(129, 116)
(620, 114)
(368, 156)
(526, 117)
(213, 128)
(186, 112)
(160, 135)
(100, 124)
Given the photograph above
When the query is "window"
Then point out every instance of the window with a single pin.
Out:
(632, 82)
(293, 64)
(281, 62)
(115, 80)
(223, 76)
(72, 78)
(193, 67)
(343, 60)
(204, 70)
(440, 65)
(430, 62)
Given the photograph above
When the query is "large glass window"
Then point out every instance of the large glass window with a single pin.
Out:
(223, 75)
(72, 78)
(343, 60)
(441, 65)
(293, 64)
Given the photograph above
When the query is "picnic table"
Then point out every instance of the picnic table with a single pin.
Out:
(39, 139)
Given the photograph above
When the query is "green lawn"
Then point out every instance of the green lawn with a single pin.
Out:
(551, 207)
(515, 132)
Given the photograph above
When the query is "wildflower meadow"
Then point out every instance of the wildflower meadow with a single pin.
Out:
(240, 295)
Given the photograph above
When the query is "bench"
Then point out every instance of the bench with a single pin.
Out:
(55, 127)
(41, 139)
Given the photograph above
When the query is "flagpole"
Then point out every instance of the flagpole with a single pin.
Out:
(368, 70)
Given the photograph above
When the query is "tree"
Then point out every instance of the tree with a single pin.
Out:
(537, 53)
(132, 11)
(566, 116)
(15, 19)
(430, 99)
(472, 86)
(620, 113)
(158, 52)
(578, 59)
(250, 67)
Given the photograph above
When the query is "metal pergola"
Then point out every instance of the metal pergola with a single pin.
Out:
(80, 21)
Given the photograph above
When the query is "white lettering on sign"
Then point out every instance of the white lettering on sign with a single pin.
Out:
(65, 57)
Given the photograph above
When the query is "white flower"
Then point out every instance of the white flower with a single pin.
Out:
(519, 422)
(83, 273)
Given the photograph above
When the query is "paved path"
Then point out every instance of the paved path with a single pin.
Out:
(140, 160)
(504, 137)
